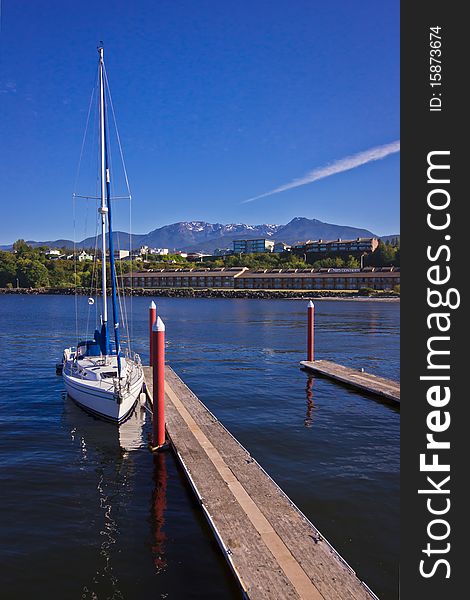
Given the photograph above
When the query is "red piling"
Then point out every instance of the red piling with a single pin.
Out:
(311, 331)
(152, 319)
(158, 365)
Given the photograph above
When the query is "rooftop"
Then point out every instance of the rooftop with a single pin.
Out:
(259, 273)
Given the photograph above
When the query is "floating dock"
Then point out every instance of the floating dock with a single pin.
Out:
(365, 382)
(272, 548)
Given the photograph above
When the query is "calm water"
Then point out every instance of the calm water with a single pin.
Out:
(88, 513)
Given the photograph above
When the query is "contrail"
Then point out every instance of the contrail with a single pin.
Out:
(338, 166)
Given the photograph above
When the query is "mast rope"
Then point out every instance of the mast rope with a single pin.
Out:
(94, 283)
(119, 292)
(77, 175)
(93, 272)
(117, 133)
(75, 270)
(123, 164)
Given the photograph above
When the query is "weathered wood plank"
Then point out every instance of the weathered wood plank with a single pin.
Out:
(273, 549)
(366, 382)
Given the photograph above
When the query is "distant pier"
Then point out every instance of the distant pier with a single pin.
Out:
(364, 382)
(272, 548)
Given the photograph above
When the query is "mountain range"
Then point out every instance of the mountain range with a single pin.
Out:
(199, 236)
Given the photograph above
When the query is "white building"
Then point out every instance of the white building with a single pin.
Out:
(54, 254)
(159, 251)
(84, 256)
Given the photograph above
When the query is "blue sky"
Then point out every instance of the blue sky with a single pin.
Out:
(216, 102)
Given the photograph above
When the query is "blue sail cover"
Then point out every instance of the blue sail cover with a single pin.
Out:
(93, 348)
(102, 339)
(89, 347)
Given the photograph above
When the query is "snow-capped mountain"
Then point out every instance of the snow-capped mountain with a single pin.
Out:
(201, 236)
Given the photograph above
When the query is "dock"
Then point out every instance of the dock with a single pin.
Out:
(273, 550)
(385, 389)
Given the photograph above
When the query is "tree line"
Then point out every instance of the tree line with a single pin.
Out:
(29, 267)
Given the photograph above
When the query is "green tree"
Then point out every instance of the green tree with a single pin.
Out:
(60, 273)
(352, 262)
(21, 248)
(7, 268)
(383, 256)
(32, 273)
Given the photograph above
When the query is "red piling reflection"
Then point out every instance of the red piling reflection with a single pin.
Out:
(160, 477)
(308, 421)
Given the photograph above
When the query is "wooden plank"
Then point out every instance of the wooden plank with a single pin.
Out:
(366, 382)
(274, 551)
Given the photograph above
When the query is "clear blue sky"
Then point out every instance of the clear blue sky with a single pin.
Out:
(216, 102)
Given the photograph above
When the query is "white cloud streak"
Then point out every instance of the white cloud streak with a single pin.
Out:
(338, 166)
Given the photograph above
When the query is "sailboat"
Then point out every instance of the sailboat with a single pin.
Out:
(98, 374)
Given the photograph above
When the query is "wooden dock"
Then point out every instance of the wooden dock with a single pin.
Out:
(364, 382)
(272, 548)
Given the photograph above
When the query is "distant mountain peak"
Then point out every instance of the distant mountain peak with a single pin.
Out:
(202, 236)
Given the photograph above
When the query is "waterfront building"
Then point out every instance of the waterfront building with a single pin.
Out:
(355, 247)
(385, 278)
(281, 247)
(252, 246)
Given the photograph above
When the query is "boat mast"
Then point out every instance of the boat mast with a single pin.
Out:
(106, 203)
(103, 209)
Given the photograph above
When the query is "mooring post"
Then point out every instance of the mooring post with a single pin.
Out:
(152, 319)
(158, 366)
(311, 331)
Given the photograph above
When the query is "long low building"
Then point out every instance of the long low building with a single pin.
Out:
(385, 278)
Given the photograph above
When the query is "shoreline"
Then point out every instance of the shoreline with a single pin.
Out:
(218, 293)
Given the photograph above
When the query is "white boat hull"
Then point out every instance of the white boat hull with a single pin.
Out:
(99, 396)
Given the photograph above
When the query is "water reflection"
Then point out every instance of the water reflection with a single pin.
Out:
(160, 478)
(131, 431)
(105, 458)
(109, 534)
(128, 436)
(110, 448)
(308, 421)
